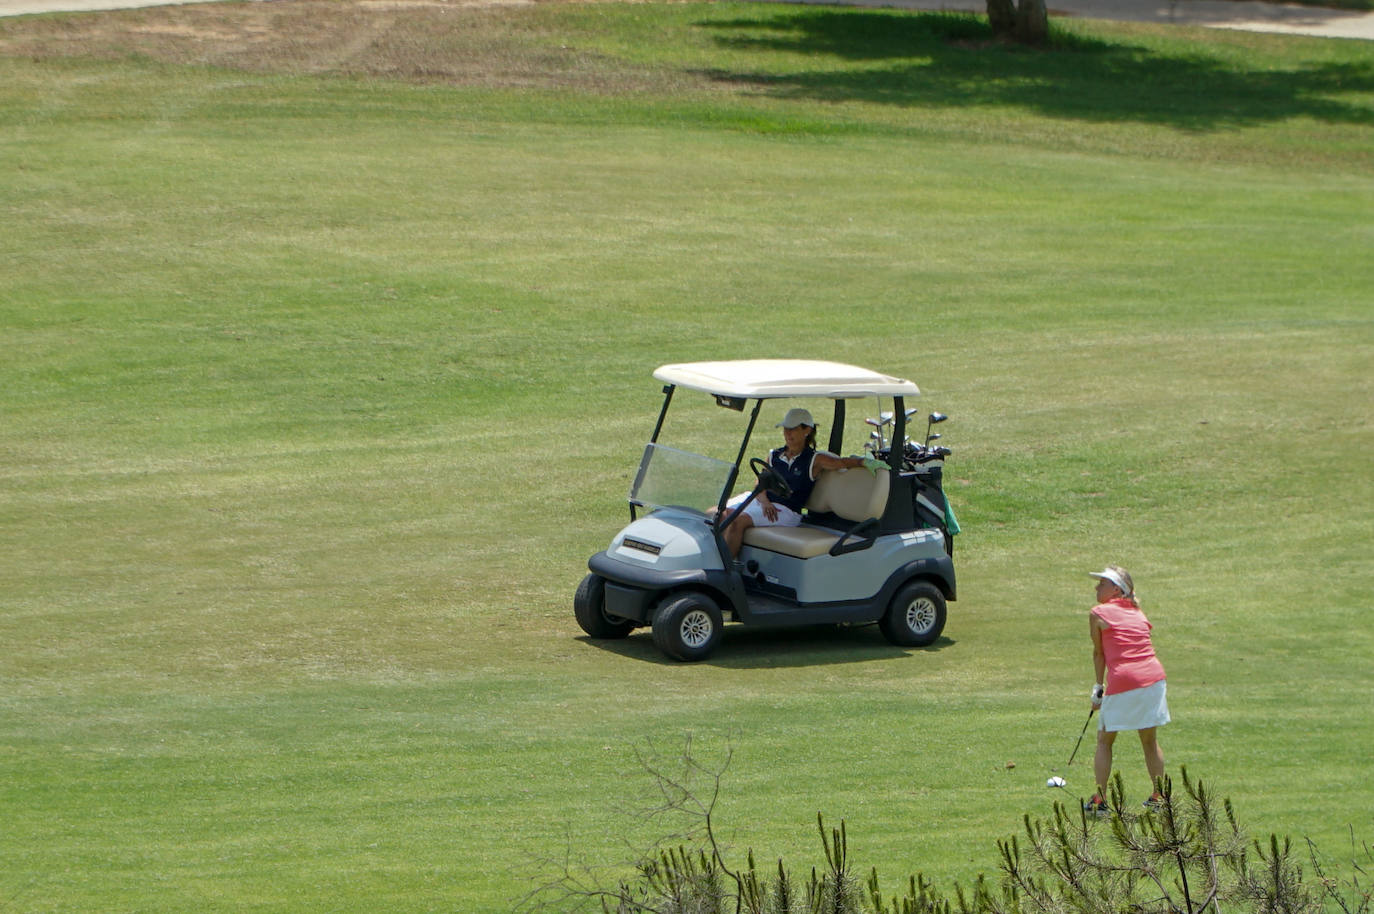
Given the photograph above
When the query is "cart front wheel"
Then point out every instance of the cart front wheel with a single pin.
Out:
(589, 605)
(687, 626)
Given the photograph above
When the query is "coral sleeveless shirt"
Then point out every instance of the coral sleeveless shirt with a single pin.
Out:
(1131, 660)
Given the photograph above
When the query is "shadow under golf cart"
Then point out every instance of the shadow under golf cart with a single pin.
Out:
(749, 648)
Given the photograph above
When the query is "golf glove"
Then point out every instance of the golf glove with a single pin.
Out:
(873, 466)
(1096, 694)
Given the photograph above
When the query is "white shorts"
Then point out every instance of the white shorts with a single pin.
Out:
(1138, 709)
(786, 516)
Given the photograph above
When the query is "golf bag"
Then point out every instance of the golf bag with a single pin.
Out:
(918, 500)
(930, 505)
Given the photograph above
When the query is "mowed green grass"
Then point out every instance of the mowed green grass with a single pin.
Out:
(326, 369)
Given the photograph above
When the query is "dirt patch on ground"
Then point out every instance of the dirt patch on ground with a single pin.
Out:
(462, 42)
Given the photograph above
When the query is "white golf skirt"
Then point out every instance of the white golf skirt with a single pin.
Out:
(1138, 709)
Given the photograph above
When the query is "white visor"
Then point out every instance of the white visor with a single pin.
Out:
(1107, 574)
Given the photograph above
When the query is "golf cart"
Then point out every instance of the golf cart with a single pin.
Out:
(874, 544)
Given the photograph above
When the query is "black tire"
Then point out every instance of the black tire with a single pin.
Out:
(916, 617)
(589, 605)
(687, 626)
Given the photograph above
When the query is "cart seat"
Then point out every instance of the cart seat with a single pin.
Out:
(855, 495)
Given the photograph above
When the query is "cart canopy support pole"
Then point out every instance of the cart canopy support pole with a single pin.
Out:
(837, 430)
(667, 398)
(894, 453)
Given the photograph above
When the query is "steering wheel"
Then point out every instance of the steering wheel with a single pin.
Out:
(770, 479)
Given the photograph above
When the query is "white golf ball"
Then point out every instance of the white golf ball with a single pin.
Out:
(1055, 782)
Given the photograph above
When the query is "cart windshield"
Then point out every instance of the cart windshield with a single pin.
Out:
(669, 478)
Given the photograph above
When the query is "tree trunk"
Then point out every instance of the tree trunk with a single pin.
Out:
(1032, 22)
(1027, 21)
(1002, 16)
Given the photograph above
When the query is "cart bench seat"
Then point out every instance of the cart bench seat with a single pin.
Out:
(855, 495)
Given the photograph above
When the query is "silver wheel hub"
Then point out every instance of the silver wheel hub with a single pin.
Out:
(696, 628)
(920, 615)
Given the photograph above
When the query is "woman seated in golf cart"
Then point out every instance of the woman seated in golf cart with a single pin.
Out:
(798, 463)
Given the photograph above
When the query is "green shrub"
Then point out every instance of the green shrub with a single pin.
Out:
(1186, 855)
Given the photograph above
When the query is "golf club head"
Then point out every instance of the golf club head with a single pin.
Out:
(932, 419)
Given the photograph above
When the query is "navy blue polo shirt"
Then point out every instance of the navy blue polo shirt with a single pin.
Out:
(798, 476)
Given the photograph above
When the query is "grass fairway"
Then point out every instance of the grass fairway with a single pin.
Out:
(328, 330)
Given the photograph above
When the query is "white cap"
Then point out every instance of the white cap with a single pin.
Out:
(1115, 577)
(796, 416)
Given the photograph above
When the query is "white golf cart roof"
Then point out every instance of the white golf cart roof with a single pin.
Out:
(772, 378)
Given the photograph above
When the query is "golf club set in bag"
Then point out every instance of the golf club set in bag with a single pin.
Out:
(923, 463)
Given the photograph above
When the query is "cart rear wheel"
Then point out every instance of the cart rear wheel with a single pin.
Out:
(687, 626)
(916, 616)
(589, 605)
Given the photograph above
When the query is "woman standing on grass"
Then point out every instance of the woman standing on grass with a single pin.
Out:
(1130, 683)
